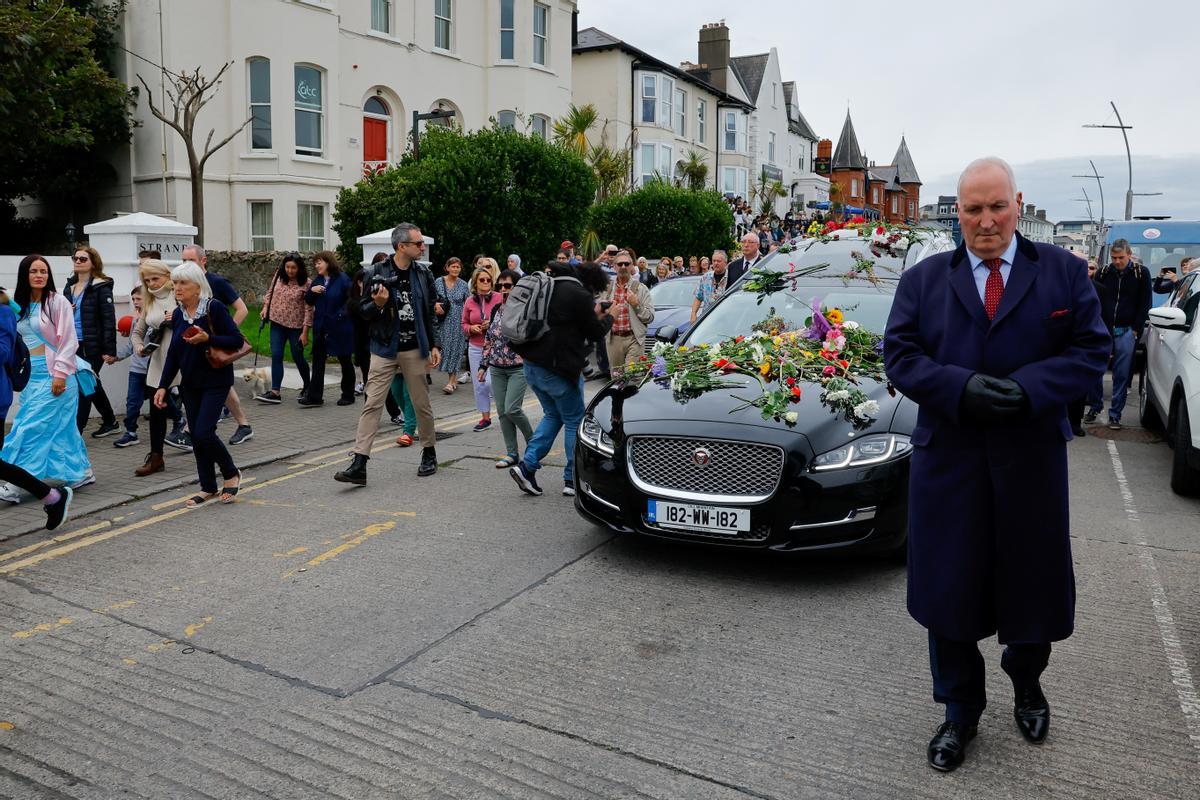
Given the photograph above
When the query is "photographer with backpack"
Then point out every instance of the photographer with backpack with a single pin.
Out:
(550, 320)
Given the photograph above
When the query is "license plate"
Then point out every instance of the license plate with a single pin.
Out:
(711, 519)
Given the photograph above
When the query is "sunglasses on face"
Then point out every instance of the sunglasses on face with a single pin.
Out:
(624, 263)
(504, 285)
(80, 259)
(483, 279)
(420, 243)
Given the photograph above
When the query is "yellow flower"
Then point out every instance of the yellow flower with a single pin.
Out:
(835, 316)
(765, 368)
(806, 354)
(778, 340)
(683, 349)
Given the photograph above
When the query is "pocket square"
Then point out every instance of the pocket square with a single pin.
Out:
(1062, 312)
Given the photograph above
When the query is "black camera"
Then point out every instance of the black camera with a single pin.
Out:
(379, 280)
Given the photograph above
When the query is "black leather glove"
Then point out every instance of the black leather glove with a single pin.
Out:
(986, 399)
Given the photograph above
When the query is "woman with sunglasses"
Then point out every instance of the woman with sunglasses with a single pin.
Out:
(44, 440)
(91, 293)
(290, 318)
(507, 372)
(477, 313)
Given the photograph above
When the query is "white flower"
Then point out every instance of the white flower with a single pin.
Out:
(758, 335)
(837, 396)
(850, 325)
(759, 354)
(791, 417)
(868, 409)
(660, 348)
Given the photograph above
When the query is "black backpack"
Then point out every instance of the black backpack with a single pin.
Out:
(18, 366)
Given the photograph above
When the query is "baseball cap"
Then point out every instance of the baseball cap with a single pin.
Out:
(566, 245)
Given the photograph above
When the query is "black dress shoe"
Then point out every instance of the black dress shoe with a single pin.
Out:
(948, 748)
(1032, 714)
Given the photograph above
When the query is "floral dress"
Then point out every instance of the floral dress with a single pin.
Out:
(451, 339)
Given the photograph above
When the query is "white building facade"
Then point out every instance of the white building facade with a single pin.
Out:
(658, 112)
(1034, 226)
(330, 87)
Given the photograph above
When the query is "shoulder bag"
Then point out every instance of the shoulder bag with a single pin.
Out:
(219, 357)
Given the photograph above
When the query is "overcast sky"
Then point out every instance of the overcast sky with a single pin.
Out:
(1015, 79)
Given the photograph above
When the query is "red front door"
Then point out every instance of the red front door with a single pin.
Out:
(374, 140)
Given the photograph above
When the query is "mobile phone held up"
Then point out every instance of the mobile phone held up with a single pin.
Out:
(605, 305)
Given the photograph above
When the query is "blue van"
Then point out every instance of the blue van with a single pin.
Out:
(1159, 244)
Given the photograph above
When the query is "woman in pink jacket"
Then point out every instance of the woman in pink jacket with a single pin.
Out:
(45, 440)
(477, 312)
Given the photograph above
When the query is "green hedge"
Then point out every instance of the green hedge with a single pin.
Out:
(491, 191)
(660, 219)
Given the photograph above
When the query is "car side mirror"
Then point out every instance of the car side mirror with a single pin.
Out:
(669, 333)
(1168, 319)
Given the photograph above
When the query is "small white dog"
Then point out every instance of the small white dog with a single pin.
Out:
(258, 381)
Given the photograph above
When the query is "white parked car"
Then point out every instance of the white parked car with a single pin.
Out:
(1169, 396)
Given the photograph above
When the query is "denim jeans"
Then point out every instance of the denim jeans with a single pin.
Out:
(1124, 341)
(562, 406)
(281, 335)
(135, 395)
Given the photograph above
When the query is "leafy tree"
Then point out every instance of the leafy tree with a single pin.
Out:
(661, 218)
(187, 95)
(764, 192)
(571, 129)
(490, 191)
(61, 110)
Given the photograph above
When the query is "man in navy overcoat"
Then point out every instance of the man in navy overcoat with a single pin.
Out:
(992, 341)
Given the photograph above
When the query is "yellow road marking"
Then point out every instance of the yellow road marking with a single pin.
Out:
(128, 661)
(359, 537)
(326, 507)
(295, 551)
(194, 628)
(33, 548)
(154, 648)
(45, 626)
(6, 726)
(90, 540)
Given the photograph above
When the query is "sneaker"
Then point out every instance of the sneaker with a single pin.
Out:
(1114, 424)
(358, 388)
(57, 513)
(464, 377)
(127, 438)
(10, 493)
(269, 397)
(525, 479)
(106, 429)
(180, 440)
(1090, 417)
(482, 425)
(568, 490)
(307, 401)
(398, 420)
(225, 415)
(242, 434)
(86, 480)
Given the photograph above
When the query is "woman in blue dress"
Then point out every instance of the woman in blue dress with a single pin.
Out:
(45, 440)
(452, 293)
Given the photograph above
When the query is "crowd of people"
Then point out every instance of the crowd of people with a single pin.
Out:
(392, 329)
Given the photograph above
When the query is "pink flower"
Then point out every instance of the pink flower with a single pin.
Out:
(828, 370)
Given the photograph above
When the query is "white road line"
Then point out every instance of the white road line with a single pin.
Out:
(1181, 674)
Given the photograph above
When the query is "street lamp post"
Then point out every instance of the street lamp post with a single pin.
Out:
(70, 231)
(1122, 127)
(416, 134)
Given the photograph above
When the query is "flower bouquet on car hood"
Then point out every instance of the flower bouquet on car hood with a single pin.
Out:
(831, 352)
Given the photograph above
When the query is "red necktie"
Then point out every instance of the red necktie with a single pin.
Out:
(994, 287)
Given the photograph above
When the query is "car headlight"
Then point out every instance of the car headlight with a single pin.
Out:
(874, 449)
(594, 436)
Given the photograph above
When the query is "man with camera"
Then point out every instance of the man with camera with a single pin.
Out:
(397, 305)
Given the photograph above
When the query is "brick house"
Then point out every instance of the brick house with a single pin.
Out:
(891, 192)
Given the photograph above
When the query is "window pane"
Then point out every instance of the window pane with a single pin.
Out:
(308, 132)
(541, 126)
(506, 13)
(506, 45)
(260, 80)
(541, 16)
(260, 127)
(666, 166)
(375, 106)
(262, 227)
(381, 15)
(441, 8)
(647, 159)
(507, 119)
(649, 92)
(310, 225)
(308, 88)
(539, 50)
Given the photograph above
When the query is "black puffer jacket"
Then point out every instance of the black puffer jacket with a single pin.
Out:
(98, 318)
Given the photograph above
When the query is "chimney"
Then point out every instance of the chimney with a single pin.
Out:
(1041, 214)
(574, 28)
(825, 149)
(1029, 209)
(713, 50)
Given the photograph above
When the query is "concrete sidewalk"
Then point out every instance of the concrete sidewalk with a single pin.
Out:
(280, 431)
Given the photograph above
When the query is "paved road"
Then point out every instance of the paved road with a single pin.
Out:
(450, 637)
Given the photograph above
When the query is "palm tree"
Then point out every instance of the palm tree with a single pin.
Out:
(612, 170)
(693, 172)
(765, 191)
(571, 129)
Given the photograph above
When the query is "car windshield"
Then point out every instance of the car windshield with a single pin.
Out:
(735, 315)
(1159, 256)
(675, 292)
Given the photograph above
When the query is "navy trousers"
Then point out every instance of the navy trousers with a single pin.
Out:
(958, 673)
(203, 408)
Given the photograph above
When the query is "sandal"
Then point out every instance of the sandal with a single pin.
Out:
(199, 499)
(229, 493)
(449, 388)
(506, 462)
(404, 440)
